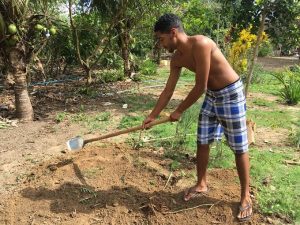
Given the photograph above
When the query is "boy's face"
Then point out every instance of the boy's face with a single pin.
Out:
(167, 40)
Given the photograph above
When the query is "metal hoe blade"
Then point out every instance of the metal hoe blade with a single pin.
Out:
(75, 144)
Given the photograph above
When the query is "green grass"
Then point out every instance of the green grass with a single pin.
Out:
(271, 119)
(264, 103)
(140, 103)
(264, 82)
(281, 194)
(92, 122)
(221, 156)
(187, 75)
(130, 121)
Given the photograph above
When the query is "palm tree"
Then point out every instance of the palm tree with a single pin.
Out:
(20, 42)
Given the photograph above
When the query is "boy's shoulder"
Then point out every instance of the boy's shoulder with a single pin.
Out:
(200, 40)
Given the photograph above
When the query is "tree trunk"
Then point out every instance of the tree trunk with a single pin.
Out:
(254, 56)
(156, 52)
(89, 78)
(125, 52)
(18, 67)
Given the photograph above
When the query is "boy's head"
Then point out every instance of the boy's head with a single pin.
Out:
(166, 22)
(166, 30)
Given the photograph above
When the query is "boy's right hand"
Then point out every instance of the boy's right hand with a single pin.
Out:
(147, 121)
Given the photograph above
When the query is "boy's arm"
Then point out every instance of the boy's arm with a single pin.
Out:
(166, 94)
(202, 56)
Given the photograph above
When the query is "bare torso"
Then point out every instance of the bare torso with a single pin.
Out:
(221, 73)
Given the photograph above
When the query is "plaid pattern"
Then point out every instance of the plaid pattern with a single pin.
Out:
(224, 111)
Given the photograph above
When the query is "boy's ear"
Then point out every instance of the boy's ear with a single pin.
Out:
(173, 31)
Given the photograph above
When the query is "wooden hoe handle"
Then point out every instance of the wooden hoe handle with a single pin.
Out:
(155, 122)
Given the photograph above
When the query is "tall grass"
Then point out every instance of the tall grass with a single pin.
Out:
(290, 80)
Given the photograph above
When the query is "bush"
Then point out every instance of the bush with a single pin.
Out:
(110, 75)
(290, 80)
(148, 67)
(265, 49)
(295, 138)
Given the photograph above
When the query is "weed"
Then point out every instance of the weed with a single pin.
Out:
(221, 156)
(290, 81)
(87, 191)
(96, 122)
(295, 137)
(60, 117)
(175, 165)
(182, 135)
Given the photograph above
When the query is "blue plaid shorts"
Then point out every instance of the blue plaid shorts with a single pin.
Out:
(224, 111)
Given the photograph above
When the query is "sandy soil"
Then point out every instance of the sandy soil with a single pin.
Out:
(108, 182)
(113, 184)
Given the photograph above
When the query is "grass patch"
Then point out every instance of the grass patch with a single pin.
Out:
(187, 75)
(92, 122)
(272, 119)
(130, 121)
(221, 156)
(61, 116)
(264, 82)
(281, 193)
(264, 103)
(140, 102)
(181, 136)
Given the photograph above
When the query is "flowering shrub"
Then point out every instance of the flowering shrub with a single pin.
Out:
(239, 51)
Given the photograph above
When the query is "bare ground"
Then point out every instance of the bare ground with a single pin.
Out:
(108, 182)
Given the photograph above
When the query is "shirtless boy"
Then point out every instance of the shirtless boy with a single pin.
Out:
(224, 107)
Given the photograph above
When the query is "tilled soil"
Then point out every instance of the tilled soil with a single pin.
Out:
(113, 184)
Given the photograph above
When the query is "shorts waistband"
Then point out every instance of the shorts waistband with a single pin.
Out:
(233, 87)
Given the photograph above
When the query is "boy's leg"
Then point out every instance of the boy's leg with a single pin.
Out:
(202, 161)
(207, 127)
(231, 112)
(243, 168)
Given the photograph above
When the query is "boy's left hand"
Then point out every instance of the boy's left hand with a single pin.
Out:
(175, 116)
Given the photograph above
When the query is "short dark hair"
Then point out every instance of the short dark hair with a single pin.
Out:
(166, 22)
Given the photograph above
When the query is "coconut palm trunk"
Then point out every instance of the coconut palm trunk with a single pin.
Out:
(18, 67)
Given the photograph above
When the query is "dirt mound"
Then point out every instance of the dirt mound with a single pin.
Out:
(115, 185)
